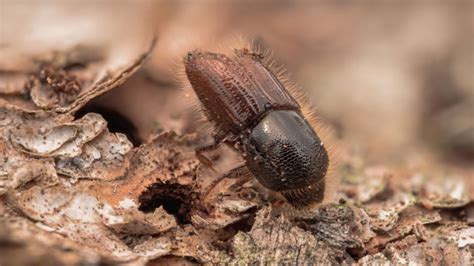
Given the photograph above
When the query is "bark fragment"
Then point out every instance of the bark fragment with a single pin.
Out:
(68, 183)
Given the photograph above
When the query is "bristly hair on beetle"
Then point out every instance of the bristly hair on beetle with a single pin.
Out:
(256, 110)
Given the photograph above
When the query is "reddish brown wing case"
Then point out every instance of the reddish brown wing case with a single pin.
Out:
(236, 92)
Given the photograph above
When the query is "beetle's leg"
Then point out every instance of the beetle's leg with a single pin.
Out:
(219, 137)
(244, 175)
(237, 172)
(206, 148)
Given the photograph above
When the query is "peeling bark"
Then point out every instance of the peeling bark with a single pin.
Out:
(74, 192)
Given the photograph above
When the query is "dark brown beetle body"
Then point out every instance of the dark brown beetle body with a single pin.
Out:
(254, 113)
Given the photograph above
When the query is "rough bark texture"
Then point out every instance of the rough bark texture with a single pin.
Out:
(74, 192)
(97, 162)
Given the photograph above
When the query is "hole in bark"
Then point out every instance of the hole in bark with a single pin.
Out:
(176, 199)
(174, 260)
(116, 122)
(227, 233)
(244, 225)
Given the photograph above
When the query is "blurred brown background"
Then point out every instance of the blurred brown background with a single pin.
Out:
(392, 78)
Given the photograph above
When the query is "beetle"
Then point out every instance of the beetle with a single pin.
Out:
(254, 113)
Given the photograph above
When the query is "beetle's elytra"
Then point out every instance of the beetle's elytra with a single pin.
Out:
(255, 114)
